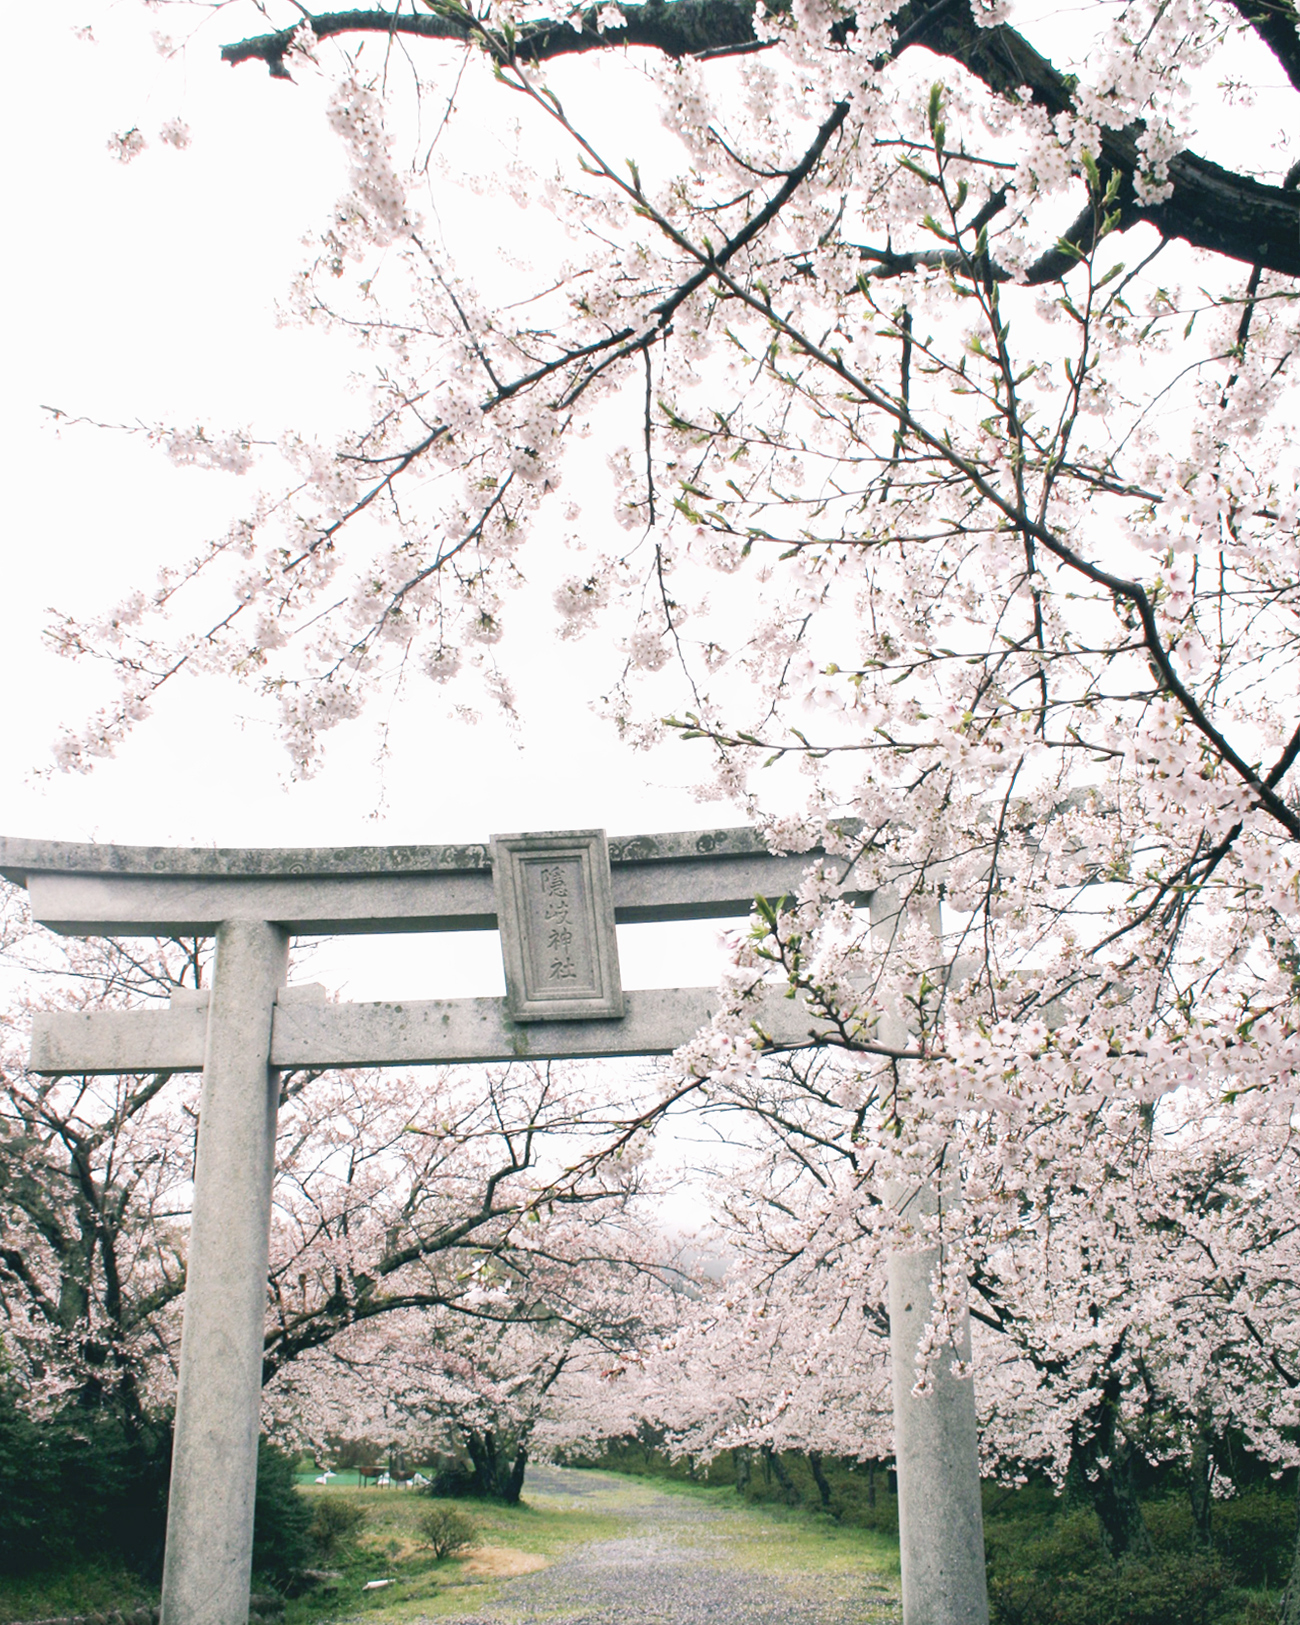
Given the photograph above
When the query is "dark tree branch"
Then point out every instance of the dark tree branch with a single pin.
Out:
(1048, 267)
(1211, 207)
(1275, 23)
(682, 28)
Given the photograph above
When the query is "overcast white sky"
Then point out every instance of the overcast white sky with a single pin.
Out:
(146, 292)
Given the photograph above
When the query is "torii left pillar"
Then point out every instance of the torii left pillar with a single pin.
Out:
(214, 1459)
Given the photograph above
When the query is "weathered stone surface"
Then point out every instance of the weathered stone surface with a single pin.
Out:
(138, 905)
(301, 993)
(411, 1033)
(145, 891)
(214, 1460)
(555, 912)
(107, 1041)
(936, 1450)
(936, 1438)
(19, 857)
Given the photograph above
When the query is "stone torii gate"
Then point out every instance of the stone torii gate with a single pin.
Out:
(555, 898)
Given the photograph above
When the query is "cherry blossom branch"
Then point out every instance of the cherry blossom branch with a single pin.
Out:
(1119, 586)
(1211, 207)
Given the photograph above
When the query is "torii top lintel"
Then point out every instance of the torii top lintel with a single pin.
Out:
(94, 890)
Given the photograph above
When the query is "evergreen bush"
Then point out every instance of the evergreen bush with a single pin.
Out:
(1170, 1589)
(451, 1477)
(282, 1519)
(1256, 1533)
(80, 1482)
(83, 1483)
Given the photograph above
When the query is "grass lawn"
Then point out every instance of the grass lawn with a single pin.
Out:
(790, 1541)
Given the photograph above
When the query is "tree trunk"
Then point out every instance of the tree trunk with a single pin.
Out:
(1111, 1489)
(743, 1462)
(512, 1486)
(819, 1478)
(1112, 1493)
(482, 1448)
(498, 1476)
(1198, 1484)
(1123, 1527)
(774, 1467)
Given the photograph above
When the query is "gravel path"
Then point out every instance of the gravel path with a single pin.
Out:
(676, 1569)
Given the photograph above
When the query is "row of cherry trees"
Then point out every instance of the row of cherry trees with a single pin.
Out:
(447, 1274)
(1131, 1275)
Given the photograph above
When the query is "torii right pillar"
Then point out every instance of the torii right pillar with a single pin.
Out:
(936, 1438)
(936, 1453)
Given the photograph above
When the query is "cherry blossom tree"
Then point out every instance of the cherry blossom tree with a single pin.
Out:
(94, 1176)
(754, 1370)
(506, 1373)
(1130, 1273)
(410, 1195)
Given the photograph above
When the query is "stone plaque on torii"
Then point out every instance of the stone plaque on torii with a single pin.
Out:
(556, 899)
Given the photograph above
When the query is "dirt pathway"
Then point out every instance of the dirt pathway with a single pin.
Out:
(684, 1562)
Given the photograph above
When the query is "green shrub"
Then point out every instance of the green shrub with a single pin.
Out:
(445, 1531)
(1047, 1565)
(1250, 1608)
(80, 1483)
(861, 1496)
(281, 1517)
(336, 1521)
(1255, 1534)
(1171, 1589)
(1043, 1541)
(451, 1477)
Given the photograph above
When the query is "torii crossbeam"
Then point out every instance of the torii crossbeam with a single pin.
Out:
(554, 897)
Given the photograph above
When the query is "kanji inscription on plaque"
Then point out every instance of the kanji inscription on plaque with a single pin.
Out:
(555, 910)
